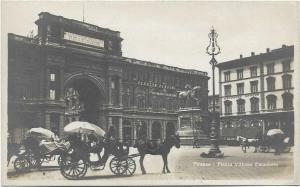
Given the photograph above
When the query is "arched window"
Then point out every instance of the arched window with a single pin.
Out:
(240, 106)
(228, 107)
(271, 101)
(287, 100)
(141, 101)
(286, 81)
(254, 104)
(115, 90)
(125, 100)
(271, 83)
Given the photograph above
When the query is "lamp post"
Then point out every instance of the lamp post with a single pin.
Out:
(213, 49)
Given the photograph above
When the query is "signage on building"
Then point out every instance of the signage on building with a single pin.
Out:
(84, 39)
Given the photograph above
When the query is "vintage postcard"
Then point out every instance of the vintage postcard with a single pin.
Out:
(149, 93)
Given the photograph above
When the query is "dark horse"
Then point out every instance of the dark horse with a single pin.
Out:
(163, 149)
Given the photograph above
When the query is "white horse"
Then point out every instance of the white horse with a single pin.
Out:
(247, 142)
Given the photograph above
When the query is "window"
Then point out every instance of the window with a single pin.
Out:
(240, 74)
(254, 86)
(227, 89)
(271, 83)
(241, 106)
(141, 102)
(254, 104)
(286, 81)
(270, 68)
(240, 88)
(227, 76)
(271, 100)
(286, 66)
(52, 77)
(125, 100)
(228, 107)
(52, 94)
(253, 71)
(287, 100)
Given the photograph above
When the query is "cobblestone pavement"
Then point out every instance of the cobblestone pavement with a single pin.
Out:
(186, 163)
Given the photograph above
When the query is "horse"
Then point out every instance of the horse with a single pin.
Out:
(163, 149)
(246, 142)
(190, 94)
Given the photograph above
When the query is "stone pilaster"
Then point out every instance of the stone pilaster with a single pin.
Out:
(47, 81)
(47, 121)
(61, 86)
(120, 92)
(120, 129)
(109, 124)
(109, 90)
(61, 124)
(149, 129)
(134, 131)
(163, 130)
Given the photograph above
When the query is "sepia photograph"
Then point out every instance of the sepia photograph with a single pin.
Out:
(126, 93)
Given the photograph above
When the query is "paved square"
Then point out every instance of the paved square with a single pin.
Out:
(186, 163)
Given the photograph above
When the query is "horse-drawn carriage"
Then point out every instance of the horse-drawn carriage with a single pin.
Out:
(39, 147)
(273, 139)
(78, 157)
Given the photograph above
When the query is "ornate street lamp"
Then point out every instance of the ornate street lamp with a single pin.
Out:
(213, 49)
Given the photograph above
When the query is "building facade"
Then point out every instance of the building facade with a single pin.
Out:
(256, 93)
(75, 71)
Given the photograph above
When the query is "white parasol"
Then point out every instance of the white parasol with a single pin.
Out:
(84, 128)
(39, 131)
(272, 132)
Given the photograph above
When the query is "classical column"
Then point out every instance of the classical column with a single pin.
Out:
(149, 133)
(47, 83)
(47, 121)
(163, 130)
(109, 90)
(109, 124)
(134, 131)
(178, 124)
(62, 94)
(121, 129)
(61, 124)
(120, 92)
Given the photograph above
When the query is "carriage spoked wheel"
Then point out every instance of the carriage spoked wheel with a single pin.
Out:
(264, 149)
(72, 168)
(122, 167)
(34, 161)
(21, 164)
(59, 160)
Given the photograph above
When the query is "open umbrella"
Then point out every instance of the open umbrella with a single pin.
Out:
(273, 132)
(84, 128)
(39, 131)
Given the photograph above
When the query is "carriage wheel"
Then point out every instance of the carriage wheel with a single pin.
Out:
(128, 166)
(59, 160)
(21, 164)
(124, 167)
(34, 161)
(264, 149)
(113, 165)
(73, 169)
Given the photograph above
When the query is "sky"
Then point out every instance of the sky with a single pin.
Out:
(172, 33)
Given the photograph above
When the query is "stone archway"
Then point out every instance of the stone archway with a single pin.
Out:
(127, 131)
(156, 130)
(84, 95)
(170, 129)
